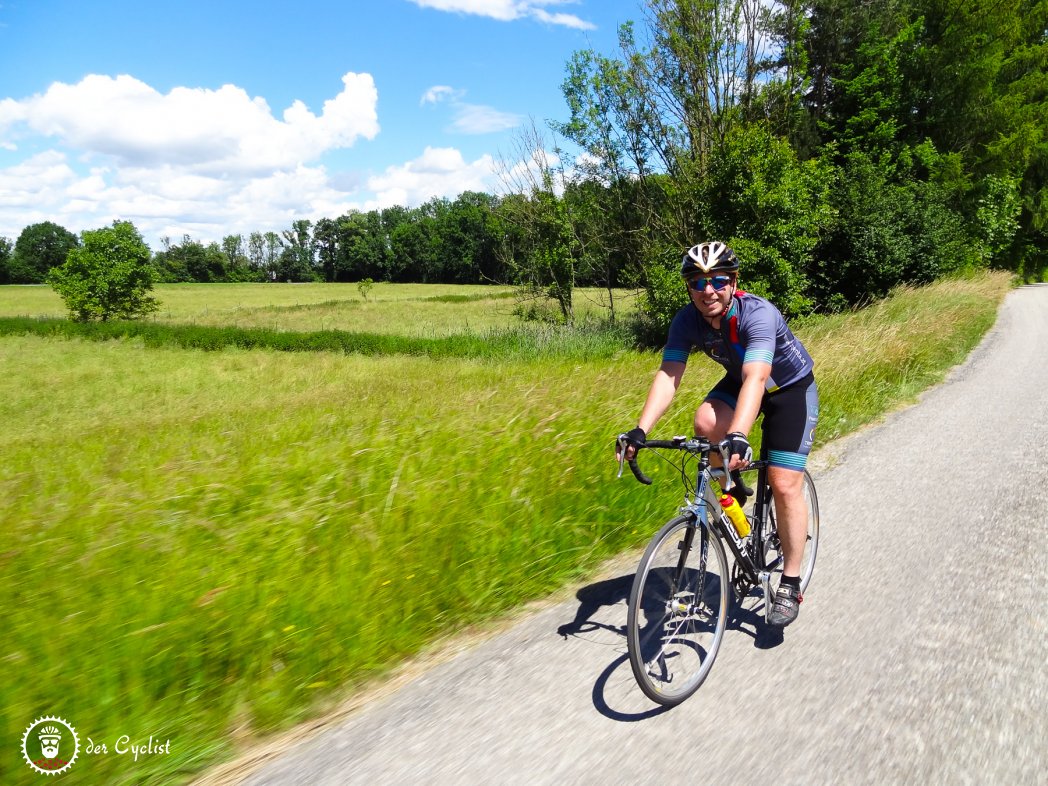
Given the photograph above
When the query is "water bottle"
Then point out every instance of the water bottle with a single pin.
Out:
(735, 513)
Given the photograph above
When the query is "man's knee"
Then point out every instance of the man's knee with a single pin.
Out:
(706, 424)
(787, 483)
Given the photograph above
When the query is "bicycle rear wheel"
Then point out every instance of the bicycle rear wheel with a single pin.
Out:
(677, 610)
(773, 556)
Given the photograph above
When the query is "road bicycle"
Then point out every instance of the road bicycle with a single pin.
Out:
(679, 604)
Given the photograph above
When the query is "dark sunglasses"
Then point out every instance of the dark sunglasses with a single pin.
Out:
(717, 282)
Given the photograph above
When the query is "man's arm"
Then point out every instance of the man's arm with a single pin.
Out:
(660, 395)
(754, 378)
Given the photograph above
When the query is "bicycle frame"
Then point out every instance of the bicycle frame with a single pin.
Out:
(748, 552)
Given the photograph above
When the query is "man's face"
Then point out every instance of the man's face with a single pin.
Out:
(708, 299)
(49, 746)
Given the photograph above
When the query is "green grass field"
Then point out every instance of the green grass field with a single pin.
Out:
(210, 546)
(399, 309)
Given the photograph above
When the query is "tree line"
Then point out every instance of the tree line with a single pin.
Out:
(842, 148)
(442, 241)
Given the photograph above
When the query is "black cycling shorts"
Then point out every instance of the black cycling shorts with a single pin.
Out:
(790, 416)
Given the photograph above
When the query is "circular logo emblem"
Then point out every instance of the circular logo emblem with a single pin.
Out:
(50, 745)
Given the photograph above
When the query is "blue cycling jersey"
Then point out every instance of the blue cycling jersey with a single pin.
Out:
(751, 330)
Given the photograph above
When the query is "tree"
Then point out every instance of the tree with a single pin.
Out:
(237, 267)
(256, 253)
(6, 252)
(966, 76)
(325, 235)
(107, 276)
(467, 239)
(546, 258)
(410, 247)
(677, 112)
(298, 257)
(362, 246)
(272, 250)
(191, 261)
(38, 249)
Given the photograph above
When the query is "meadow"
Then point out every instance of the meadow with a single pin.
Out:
(397, 309)
(207, 547)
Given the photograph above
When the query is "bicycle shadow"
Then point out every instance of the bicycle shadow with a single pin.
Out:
(615, 698)
(592, 599)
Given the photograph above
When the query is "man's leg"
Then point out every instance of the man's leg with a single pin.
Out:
(712, 420)
(791, 516)
(790, 417)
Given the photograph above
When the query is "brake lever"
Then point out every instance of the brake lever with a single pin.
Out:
(723, 447)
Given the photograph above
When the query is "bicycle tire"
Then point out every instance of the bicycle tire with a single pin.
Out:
(678, 610)
(772, 548)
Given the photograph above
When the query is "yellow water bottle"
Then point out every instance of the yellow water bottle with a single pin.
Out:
(735, 513)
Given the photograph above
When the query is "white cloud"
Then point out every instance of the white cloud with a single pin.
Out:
(169, 200)
(439, 171)
(567, 20)
(526, 173)
(33, 180)
(476, 119)
(209, 162)
(470, 118)
(163, 201)
(439, 93)
(510, 10)
(208, 131)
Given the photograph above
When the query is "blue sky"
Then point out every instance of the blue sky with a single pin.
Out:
(211, 118)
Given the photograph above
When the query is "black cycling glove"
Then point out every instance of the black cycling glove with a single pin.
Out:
(636, 437)
(740, 446)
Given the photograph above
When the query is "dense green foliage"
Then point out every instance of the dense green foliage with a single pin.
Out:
(39, 248)
(107, 277)
(6, 251)
(844, 148)
(882, 143)
(442, 241)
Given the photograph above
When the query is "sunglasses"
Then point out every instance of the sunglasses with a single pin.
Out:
(717, 282)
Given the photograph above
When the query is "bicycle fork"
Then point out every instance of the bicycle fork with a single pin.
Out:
(681, 606)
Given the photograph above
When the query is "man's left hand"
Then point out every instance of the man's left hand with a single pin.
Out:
(740, 450)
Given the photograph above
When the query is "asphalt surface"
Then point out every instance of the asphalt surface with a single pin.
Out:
(920, 656)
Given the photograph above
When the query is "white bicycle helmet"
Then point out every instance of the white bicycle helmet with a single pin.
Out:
(705, 258)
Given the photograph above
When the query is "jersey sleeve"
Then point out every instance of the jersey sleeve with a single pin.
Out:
(760, 335)
(680, 341)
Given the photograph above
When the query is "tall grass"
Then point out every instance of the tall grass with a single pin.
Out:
(585, 341)
(874, 359)
(202, 545)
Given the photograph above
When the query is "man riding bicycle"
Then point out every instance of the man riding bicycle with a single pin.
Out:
(766, 370)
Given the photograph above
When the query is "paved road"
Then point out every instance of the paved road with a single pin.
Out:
(920, 655)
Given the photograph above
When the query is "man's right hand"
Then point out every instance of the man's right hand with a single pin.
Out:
(635, 438)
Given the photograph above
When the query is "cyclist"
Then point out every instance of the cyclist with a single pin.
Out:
(766, 370)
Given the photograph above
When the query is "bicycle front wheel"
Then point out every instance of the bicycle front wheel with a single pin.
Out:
(677, 610)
